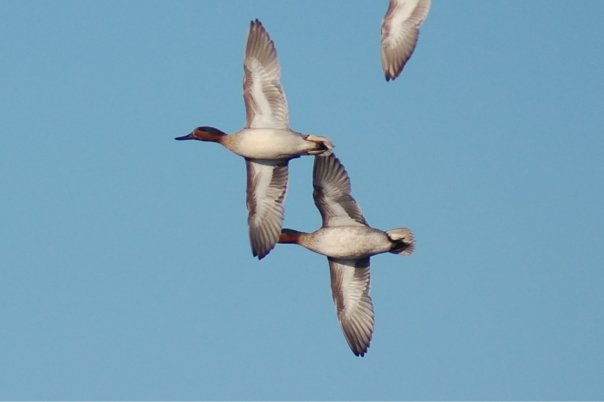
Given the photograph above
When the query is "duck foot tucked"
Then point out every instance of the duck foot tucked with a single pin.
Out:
(325, 146)
(403, 241)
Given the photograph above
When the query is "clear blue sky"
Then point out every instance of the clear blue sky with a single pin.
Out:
(125, 268)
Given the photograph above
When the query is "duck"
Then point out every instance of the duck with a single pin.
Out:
(400, 30)
(348, 242)
(266, 142)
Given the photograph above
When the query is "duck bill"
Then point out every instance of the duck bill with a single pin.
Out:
(185, 137)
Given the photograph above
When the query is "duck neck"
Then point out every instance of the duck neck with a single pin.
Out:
(290, 236)
(209, 134)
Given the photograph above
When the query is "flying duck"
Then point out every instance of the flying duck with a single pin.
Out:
(348, 242)
(266, 142)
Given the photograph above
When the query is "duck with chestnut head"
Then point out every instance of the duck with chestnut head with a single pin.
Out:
(348, 242)
(266, 142)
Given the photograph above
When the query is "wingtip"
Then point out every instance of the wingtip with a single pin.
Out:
(255, 23)
(359, 349)
(391, 75)
(261, 252)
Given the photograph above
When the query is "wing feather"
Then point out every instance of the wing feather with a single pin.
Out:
(266, 189)
(400, 31)
(332, 193)
(350, 280)
(265, 102)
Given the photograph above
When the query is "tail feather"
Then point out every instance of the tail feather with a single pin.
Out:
(323, 145)
(403, 241)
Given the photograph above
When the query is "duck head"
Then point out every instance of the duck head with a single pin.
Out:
(203, 134)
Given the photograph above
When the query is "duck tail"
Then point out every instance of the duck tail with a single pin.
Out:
(403, 242)
(323, 145)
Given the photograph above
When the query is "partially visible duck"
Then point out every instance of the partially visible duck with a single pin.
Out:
(348, 242)
(400, 30)
(267, 143)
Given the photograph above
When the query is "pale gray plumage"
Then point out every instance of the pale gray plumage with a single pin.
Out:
(349, 278)
(332, 194)
(266, 189)
(348, 242)
(265, 102)
(266, 142)
(350, 291)
(400, 31)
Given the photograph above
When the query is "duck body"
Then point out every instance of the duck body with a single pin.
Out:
(343, 241)
(271, 143)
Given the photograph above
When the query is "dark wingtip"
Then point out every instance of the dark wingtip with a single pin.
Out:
(260, 254)
(360, 352)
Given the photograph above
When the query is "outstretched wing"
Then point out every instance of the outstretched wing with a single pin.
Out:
(332, 193)
(265, 103)
(400, 30)
(266, 188)
(350, 291)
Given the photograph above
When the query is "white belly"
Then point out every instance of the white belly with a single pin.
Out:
(265, 143)
(349, 242)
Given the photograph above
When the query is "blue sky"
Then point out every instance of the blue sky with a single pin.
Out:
(125, 267)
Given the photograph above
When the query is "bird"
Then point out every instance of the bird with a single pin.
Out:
(266, 142)
(348, 242)
(400, 30)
